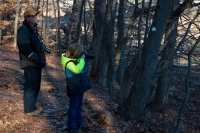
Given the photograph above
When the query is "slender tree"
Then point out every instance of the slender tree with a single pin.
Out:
(0, 27)
(16, 22)
(58, 25)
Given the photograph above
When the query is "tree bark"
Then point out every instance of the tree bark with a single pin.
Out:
(0, 28)
(164, 75)
(79, 29)
(134, 105)
(98, 27)
(107, 59)
(120, 55)
(58, 25)
(15, 24)
(46, 23)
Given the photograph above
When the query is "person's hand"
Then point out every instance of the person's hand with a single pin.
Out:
(33, 57)
(83, 56)
(46, 49)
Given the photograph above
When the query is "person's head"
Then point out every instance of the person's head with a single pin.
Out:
(74, 50)
(31, 16)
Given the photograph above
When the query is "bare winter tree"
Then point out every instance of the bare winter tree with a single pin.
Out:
(0, 27)
(58, 31)
(16, 22)
(98, 28)
(134, 105)
(167, 53)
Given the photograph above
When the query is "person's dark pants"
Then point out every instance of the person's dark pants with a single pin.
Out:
(32, 77)
(74, 112)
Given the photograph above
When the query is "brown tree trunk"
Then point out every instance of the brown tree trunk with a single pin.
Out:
(134, 105)
(0, 28)
(58, 25)
(46, 23)
(15, 24)
(98, 27)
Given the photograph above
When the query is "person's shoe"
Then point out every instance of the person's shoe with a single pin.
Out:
(83, 127)
(35, 113)
(73, 131)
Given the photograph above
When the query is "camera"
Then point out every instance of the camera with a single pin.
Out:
(88, 56)
(46, 49)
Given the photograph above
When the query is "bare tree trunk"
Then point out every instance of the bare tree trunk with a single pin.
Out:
(79, 29)
(46, 23)
(130, 70)
(105, 68)
(15, 24)
(58, 25)
(0, 28)
(42, 18)
(74, 8)
(160, 97)
(120, 55)
(134, 105)
(98, 27)
(38, 5)
(85, 30)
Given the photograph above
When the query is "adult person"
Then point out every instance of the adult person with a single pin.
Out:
(32, 59)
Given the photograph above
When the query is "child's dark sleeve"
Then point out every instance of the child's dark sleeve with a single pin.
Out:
(87, 65)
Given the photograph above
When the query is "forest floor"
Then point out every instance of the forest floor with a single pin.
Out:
(54, 103)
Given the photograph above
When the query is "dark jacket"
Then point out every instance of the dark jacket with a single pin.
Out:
(76, 79)
(28, 41)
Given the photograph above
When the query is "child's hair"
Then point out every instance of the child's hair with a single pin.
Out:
(75, 50)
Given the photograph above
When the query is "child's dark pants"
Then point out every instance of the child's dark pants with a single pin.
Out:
(74, 112)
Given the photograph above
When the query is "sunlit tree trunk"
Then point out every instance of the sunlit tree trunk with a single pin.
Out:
(15, 24)
(135, 103)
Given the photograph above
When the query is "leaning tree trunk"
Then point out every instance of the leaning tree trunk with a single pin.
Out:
(165, 75)
(134, 105)
(98, 27)
(160, 98)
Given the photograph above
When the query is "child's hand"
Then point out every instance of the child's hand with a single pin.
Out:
(83, 56)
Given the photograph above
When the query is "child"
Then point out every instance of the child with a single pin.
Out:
(77, 83)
